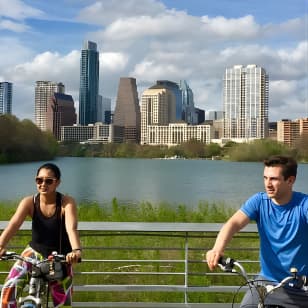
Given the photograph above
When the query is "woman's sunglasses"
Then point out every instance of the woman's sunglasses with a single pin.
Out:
(47, 181)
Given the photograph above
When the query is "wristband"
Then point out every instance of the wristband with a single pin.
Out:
(77, 249)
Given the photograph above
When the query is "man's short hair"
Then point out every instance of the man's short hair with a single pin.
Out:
(288, 164)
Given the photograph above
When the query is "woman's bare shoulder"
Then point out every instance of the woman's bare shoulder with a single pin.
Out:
(68, 200)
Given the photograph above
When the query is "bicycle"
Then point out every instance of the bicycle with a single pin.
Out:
(42, 272)
(263, 290)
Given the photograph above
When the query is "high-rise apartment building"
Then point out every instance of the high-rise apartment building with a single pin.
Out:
(126, 119)
(6, 93)
(44, 90)
(60, 112)
(245, 102)
(158, 107)
(89, 83)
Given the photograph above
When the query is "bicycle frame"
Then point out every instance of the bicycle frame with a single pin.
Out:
(42, 271)
(295, 281)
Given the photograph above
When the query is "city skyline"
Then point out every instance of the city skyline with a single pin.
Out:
(152, 40)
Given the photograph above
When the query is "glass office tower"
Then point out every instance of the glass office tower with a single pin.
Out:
(89, 83)
(6, 92)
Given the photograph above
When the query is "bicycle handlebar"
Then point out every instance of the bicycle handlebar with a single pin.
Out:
(49, 268)
(228, 264)
(294, 281)
(11, 255)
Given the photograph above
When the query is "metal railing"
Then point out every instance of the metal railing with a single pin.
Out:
(128, 264)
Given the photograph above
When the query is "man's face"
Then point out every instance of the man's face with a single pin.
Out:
(276, 187)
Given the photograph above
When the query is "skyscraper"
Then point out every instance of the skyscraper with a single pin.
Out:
(89, 83)
(158, 105)
(126, 119)
(188, 106)
(60, 112)
(44, 90)
(174, 87)
(6, 93)
(245, 102)
(106, 110)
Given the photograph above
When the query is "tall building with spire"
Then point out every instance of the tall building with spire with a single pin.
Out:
(6, 94)
(89, 83)
(126, 119)
(44, 90)
(245, 102)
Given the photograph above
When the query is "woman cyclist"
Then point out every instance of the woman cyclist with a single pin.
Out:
(54, 228)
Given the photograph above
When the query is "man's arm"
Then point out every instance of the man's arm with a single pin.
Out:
(238, 221)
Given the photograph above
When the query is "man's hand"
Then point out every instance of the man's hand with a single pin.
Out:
(212, 258)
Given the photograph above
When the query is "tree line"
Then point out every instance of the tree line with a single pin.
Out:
(22, 141)
(257, 150)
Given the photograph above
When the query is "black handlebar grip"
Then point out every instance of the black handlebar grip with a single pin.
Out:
(222, 261)
(226, 262)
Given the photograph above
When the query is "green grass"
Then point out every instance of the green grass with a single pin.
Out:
(148, 212)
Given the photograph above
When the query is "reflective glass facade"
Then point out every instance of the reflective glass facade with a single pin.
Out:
(6, 93)
(89, 84)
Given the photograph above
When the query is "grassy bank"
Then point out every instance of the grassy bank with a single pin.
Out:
(142, 212)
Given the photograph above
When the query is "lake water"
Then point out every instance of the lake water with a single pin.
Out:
(134, 180)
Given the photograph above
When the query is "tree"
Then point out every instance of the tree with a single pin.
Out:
(24, 141)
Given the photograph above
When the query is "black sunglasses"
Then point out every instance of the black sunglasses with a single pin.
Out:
(47, 181)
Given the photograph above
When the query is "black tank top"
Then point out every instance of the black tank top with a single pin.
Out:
(49, 233)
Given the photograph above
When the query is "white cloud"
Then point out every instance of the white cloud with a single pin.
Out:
(48, 66)
(104, 12)
(244, 27)
(17, 9)
(17, 52)
(13, 26)
(113, 62)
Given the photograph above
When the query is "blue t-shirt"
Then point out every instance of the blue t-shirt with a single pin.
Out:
(283, 231)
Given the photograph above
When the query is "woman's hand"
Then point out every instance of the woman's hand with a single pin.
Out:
(74, 256)
(2, 250)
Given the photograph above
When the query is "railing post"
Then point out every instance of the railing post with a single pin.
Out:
(186, 266)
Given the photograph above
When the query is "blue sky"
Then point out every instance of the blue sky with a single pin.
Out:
(150, 39)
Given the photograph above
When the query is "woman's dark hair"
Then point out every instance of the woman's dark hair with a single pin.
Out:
(54, 168)
(288, 164)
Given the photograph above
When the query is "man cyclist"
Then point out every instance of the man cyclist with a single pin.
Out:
(281, 215)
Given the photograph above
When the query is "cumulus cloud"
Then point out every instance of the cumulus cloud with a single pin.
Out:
(48, 66)
(113, 61)
(243, 27)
